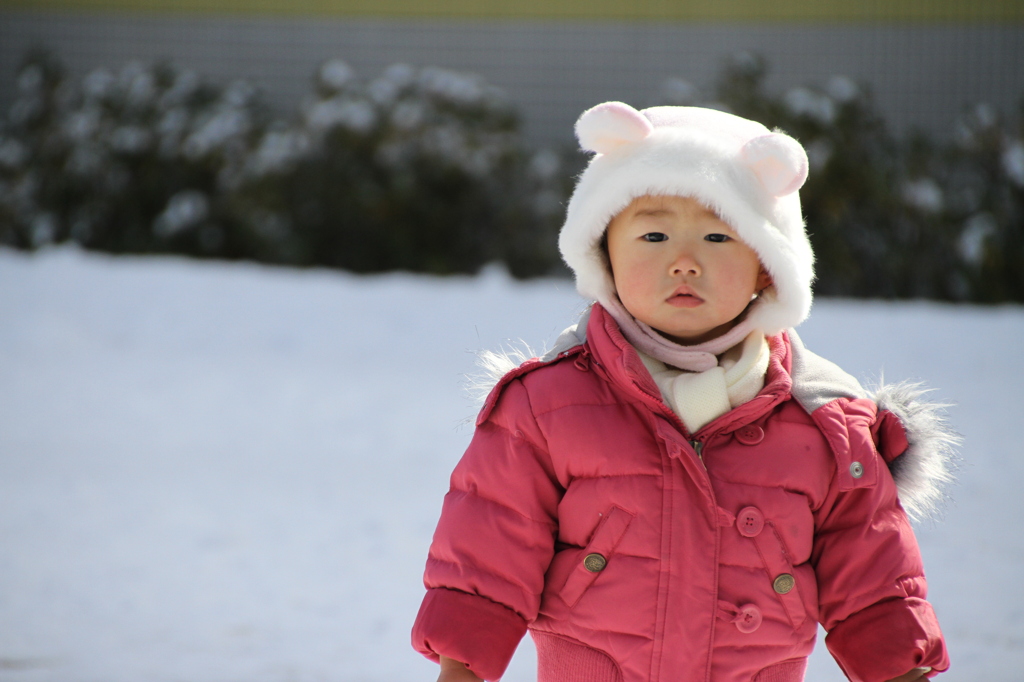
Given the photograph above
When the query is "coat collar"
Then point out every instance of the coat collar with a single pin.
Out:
(616, 358)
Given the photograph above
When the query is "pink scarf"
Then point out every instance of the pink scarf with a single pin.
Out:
(696, 358)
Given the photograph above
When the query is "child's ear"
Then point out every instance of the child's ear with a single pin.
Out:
(764, 280)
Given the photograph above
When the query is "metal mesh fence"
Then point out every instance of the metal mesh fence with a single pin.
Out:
(923, 73)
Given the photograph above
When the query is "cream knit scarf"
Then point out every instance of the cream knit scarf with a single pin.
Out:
(700, 397)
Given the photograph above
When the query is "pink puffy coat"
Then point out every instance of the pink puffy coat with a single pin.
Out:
(634, 551)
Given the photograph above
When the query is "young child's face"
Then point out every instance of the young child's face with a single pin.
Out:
(680, 269)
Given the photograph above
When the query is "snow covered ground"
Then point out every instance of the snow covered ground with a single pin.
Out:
(222, 472)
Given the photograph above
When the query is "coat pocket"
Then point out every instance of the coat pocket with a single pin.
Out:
(561, 659)
(752, 524)
(781, 573)
(597, 555)
(787, 671)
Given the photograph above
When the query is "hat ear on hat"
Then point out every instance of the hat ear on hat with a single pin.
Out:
(778, 161)
(607, 126)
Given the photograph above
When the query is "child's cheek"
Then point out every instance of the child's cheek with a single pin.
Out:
(635, 286)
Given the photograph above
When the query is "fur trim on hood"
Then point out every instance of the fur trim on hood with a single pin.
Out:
(925, 470)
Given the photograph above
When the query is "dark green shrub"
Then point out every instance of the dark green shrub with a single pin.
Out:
(144, 160)
(892, 218)
(424, 169)
(418, 169)
(983, 176)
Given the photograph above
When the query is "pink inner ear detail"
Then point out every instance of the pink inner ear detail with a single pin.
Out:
(779, 162)
(604, 127)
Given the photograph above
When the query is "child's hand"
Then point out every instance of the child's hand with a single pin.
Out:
(915, 674)
(454, 671)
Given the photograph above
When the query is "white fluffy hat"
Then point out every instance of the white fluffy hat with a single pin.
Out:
(744, 172)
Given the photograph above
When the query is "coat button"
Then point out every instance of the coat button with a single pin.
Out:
(594, 563)
(856, 469)
(749, 521)
(748, 619)
(751, 434)
(784, 583)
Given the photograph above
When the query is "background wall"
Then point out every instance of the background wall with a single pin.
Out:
(926, 62)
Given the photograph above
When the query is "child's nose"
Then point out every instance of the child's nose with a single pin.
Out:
(685, 264)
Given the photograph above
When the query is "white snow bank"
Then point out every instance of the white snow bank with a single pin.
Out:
(215, 472)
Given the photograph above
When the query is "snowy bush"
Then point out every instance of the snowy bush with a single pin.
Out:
(144, 159)
(983, 178)
(418, 169)
(888, 217)
(425, 169)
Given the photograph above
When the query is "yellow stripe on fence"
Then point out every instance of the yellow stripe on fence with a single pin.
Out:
(943, 11)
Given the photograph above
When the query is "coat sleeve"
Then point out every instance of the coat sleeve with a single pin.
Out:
(871, 585)
(493, 543)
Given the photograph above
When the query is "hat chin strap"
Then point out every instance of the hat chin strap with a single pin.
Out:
(696, 358)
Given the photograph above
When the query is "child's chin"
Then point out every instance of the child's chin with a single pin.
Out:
(693, 337)
(688, 337)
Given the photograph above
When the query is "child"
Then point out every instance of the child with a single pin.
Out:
(679, 490)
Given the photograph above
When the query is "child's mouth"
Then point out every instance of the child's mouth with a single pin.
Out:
(685, 300)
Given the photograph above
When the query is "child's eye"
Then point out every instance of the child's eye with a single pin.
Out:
(717, 237)
(655, 237)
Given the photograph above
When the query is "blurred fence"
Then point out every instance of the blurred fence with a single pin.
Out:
(926, 61)
(917, 159)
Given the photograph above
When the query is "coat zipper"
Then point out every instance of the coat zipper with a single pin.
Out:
(582, 360)
(698, 447)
